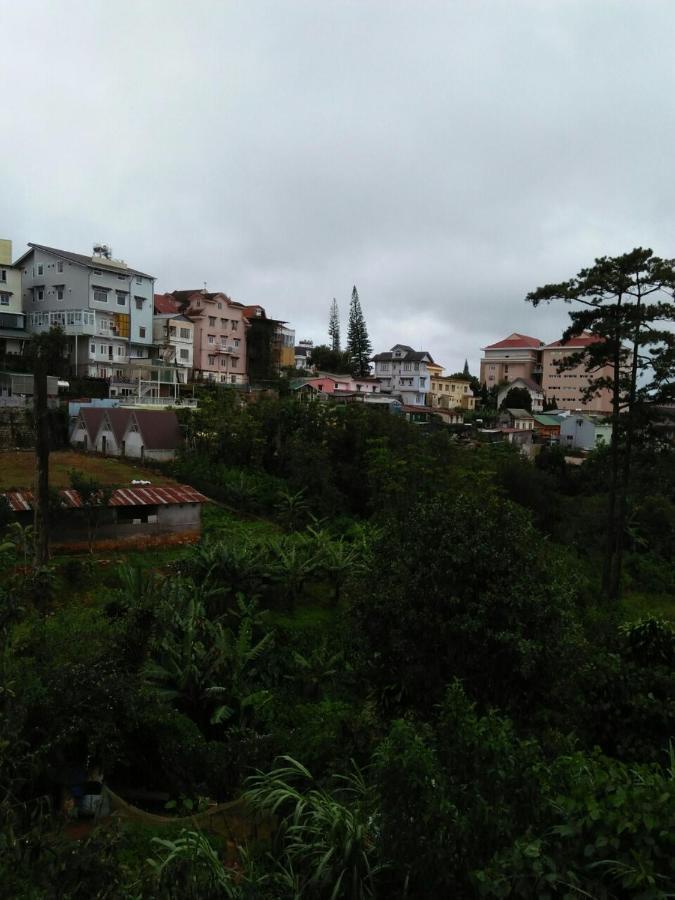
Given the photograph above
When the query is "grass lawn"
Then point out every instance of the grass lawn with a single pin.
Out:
(17, 469)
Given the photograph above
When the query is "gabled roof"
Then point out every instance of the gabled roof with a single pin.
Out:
(516, 341)
(548, 420)
(159, 428)
(92, 416)
(82, 259)
(409, 355)
(583, 340)
(119, 421)
(165, 303)
(519, 413)
(528, 382)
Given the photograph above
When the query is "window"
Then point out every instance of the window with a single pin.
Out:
(223, 323)
(121, 298)
(211, 360)
(223, 362)
(139, 280)
(407, 367)
(120, 351)
(100, 295)
(60, 291)
(4, 299)
(185, 333)
(3, 275)
(101, 348)
(235, 325)
(233, 379)
(220, 306)
(92, 349)
(234, 363)
(139, 302)
(59, 265)
(141, 331)
(41, 269)
(384, 367)
(223, 379)
(172, 330)
(212, 321)
(121, 277)
(212, 339)
(236, 342)
(39, 293)
(184, 354)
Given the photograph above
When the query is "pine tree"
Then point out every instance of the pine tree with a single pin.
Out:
(466, 372)
(359, 347)
(334, 327)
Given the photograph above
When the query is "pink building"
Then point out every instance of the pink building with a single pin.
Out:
(219, 352)
(517, 356)
(565, 389)
(342, 384)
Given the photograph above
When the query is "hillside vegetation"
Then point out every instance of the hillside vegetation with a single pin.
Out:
(392, 646)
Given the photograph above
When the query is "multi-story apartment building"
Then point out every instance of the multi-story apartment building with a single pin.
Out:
(220, 326)
(517, 356)
(12, 319)
(269, 344)
(174, 334)
(103, 305)
(403, 372)
(565, 388)
(450, 392)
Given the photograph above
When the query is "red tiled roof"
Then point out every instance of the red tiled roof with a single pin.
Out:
(165, 303)
(134, 495)
(583, 340)
(516, 341)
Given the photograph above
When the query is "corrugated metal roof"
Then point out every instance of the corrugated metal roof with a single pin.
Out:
(22, 501)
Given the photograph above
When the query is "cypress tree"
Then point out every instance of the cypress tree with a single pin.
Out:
(466, 372)
(359, 347)
(334, 327)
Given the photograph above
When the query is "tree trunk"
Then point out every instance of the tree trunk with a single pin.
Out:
(609, 567)
(617, 558)
(40, 412)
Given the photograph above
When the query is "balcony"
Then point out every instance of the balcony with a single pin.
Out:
(160, 402)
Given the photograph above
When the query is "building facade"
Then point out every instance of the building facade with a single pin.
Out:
(450, 392)
(103, 305)
(220, 327)
(174, 334)
(516, 356)
(566, 388)
(12, 319)
(533, 389)
(403, 373)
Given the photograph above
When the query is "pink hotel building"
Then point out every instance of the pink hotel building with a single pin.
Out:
(521, 356)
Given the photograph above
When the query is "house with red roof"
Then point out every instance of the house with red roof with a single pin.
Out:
(565, 387)
(515, 356)
(126, 515)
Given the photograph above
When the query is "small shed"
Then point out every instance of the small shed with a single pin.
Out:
(130, 512)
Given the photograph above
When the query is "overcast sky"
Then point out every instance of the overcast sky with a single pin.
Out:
(446, 157)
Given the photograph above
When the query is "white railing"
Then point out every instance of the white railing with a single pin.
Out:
(187, 402)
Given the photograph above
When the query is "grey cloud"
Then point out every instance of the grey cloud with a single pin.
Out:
(445, 157)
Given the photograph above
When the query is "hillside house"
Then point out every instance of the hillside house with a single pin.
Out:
(518, 419)
(403, 373)
(135, 433)
(533, 389)
(581, 432)
(133, 512)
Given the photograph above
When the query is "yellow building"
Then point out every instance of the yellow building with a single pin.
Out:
(12, 318)
(450, 392)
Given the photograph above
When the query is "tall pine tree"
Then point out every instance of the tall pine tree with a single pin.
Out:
(334, 327)
(359, 347)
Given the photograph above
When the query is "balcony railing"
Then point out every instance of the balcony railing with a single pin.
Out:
(187, 402)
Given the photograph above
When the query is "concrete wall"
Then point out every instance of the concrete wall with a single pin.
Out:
(175, 519)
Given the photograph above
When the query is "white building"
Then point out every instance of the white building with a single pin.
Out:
(584, 433)
(174, 333)
(403, 373)
(103, 305)
(533, 389)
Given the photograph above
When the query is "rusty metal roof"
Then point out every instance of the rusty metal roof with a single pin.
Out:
(22, 501)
